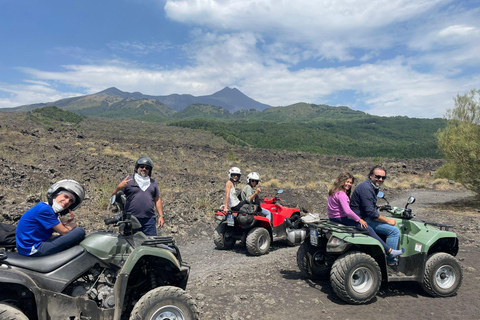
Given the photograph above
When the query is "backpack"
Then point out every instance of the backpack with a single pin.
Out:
(7, 234)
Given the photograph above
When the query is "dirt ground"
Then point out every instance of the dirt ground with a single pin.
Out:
(231, 285)
(191, 170)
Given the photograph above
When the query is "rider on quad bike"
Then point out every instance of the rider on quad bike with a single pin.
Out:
(37, 225)
(232, 200)
(108, 276)
(357, 265)
(254, 229)
(250, 194)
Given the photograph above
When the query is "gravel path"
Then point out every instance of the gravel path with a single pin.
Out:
(232, 285)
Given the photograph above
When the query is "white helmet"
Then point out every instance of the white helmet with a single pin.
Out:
(71, 186)
(253, 176)
(234, 170)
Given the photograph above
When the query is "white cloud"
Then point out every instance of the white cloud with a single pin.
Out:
(407, 57)
(35, 92)
(388, 88)
(458, 30)
(331, 28)
(139, 48)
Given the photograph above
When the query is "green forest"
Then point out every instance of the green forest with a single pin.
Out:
(302, 127)
(368, 136)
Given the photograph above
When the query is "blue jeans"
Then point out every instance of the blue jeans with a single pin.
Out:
(348, 222)
(267, 214)
(60, 243)
(149, 226)
(392, 233)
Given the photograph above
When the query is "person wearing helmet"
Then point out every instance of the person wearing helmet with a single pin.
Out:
(143, 196)
(251, 191)
(231, 199)
(36, 226)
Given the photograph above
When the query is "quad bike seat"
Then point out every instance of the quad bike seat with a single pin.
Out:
(42, 264)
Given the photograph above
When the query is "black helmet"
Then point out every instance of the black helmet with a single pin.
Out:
(71, 186)
(145, 161)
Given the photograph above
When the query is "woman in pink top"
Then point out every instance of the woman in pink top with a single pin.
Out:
(339, 210)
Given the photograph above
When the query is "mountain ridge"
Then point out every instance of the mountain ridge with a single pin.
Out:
(230, 99)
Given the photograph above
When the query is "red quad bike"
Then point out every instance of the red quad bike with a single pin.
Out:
(256, 230)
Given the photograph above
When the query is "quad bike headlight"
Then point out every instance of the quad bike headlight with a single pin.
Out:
(336, 245)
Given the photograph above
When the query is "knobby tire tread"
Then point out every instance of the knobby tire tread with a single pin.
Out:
(252, 241)
(429, 278)
(219, 238)
(8, 312)
(338, 275)
(305, 261)
(165, 292)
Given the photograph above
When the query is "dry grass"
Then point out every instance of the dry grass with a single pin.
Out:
(276, 184)
(113, 153)
(409, 181)
(100, 191)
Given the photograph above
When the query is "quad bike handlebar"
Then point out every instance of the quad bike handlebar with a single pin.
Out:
(396, 212)
(273, 199)
(109, 221)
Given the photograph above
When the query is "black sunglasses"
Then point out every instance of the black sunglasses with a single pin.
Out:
(142, 166)
(380, 177)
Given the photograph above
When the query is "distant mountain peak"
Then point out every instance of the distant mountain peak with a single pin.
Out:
(112, 91)
(228, 91)
(230, 99)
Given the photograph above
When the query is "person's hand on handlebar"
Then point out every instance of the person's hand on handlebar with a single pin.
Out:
(385, 207)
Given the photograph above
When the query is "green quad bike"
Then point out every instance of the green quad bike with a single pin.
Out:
(356, 262)
(109, 275)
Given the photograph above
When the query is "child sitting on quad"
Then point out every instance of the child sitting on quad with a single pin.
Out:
(339, 210)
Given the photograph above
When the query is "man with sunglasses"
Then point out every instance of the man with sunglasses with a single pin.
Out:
(143, 196)
(364, 203)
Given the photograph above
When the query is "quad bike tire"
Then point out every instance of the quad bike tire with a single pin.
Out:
(311, 261)
(258, 241)
(221, 239)
(355, 277)
(165, 303)
(443, 275)
(9, 312)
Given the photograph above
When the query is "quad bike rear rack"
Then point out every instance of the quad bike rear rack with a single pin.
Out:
(325, 226)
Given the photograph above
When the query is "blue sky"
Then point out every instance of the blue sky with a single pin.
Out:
(384, 57)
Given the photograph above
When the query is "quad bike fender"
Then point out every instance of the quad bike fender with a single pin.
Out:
(17, 277)
(16, 280)
(261, 221)
(137, 254)
(430, 241)
(366, 243)
(142, 251)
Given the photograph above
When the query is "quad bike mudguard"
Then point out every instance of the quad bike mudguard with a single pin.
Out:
(137, 254)
(423, 237)
(349, 237)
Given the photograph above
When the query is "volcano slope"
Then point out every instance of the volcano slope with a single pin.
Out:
(191, 170)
